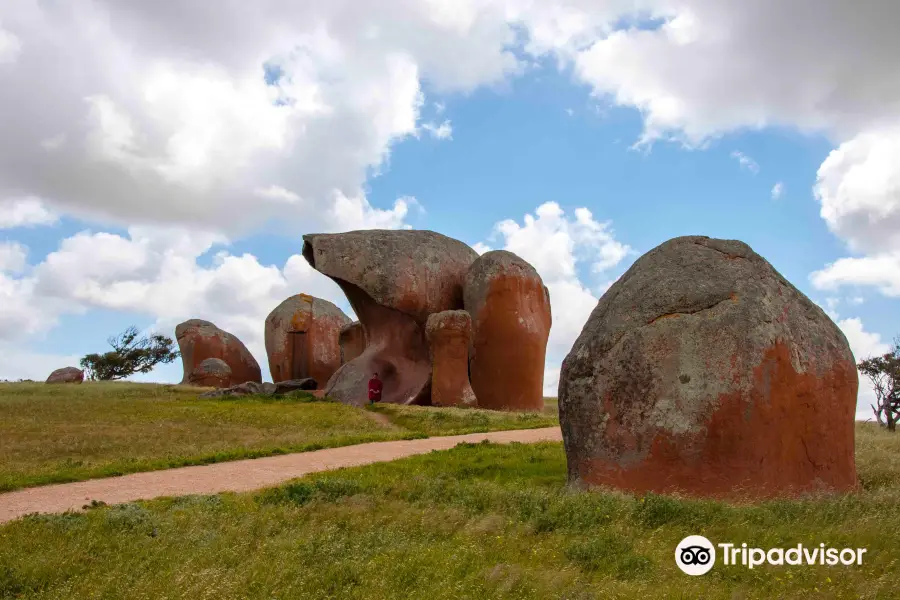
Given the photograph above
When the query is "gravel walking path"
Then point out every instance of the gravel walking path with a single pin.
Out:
(238, 476)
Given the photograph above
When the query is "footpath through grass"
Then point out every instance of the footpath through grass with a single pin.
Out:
(61, 433)
(479, 521)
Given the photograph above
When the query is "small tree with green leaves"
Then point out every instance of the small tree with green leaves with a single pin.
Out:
(131, 353)
(884, 373)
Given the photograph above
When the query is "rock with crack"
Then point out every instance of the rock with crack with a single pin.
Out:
(352, 340)
(703, 371)
(448, 336)
(199, 340)
(302, 338)
(510, 309)
(394, 281)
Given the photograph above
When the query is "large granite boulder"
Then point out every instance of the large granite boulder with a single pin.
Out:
(199, 340)
(448, 336)
(702, 370)
(302, 339)
(394, 280)
(352, 340)
(66, 375)
(510, 309)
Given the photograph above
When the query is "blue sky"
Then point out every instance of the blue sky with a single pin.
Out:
(178, 183)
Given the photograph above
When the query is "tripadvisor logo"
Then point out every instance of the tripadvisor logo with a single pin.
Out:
(696, 555)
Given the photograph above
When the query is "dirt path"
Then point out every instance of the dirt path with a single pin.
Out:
(237, 476)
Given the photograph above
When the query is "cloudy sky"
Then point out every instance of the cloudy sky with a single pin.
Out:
(161, 160)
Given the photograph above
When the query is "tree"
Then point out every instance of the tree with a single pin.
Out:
(884, 373)
(130, 354)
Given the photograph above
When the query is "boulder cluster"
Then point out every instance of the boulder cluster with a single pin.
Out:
(439, 324)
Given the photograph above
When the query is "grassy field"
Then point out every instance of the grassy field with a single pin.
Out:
(479, 521)
(52, 434)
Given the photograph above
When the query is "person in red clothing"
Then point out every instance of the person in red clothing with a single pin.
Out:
(374, 389)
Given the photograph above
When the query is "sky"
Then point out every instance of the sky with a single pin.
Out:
(160, 161)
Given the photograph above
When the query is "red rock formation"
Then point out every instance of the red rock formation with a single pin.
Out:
(510, 309)
(353, 341)
(199, 340)
(703, 371)
(302, 339)
(448, 336)
(212, 372)
(66, 375)
(394, 280)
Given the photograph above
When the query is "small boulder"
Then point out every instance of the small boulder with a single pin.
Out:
(199, 340)
(510, 309)
(292, 385)
(66, 375)
(212, 372)
(702, 370)
(448, 335)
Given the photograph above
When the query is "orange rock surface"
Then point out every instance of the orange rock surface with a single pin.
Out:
(302, 339)
(448, 334)
(199, 340)
(510, 309)
(703, 371)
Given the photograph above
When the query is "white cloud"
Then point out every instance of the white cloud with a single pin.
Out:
(745, 161)
(153, 112)
(556, 245)
(13, 257)
(864, 344)
(777, 191)
(858, 186)
(10, 47)
(25, 212)
(444, 131)
(481, 247)
(439, 108)
(154, 272)
(19, 363)
(881, 271)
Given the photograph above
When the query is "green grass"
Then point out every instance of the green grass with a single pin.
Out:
(457, 421)
(479, 521)
(54, 434)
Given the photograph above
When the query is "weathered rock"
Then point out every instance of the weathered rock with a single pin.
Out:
(703, 370)
(292, 385)
(302, 339)
(199, 340)
(352, 341)
(510, 309)
(394, 280)
(212, 372)
(252, 388)
(448, 336)
(66, 375)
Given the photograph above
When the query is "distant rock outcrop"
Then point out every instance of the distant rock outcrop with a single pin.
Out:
(510, 309)
(448, 335)
(394, 281)
(703, 370)
(302, 338)
(66, 375)
(199, 340)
